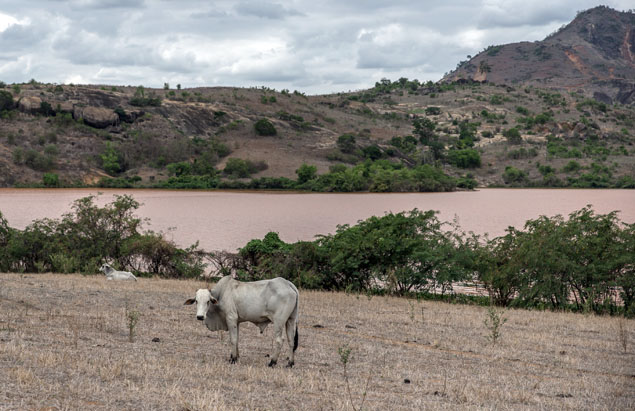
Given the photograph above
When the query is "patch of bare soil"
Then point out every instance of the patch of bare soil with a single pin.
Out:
(64, 344)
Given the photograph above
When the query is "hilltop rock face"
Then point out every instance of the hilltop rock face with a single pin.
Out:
(596, 51)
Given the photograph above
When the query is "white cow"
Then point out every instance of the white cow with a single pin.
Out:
(231, 302)
(112, 274)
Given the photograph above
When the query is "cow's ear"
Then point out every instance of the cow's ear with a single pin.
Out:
(190, 301)
(214, 300)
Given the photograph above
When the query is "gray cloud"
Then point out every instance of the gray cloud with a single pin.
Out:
(263, 9)
(317, 47)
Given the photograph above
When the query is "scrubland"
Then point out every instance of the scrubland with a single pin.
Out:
(66, 343)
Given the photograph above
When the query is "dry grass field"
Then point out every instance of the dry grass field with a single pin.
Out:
(64, 344)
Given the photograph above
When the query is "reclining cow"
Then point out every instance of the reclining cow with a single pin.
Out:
(112, 274)
(231, 302)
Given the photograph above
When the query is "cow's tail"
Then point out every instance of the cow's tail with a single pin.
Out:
(295, 312)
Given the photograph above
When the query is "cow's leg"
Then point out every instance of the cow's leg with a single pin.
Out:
(291, 340)
(278, 328)
(233, 340)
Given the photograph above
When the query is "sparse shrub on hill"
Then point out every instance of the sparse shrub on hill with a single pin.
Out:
(513, 136)
(571, 167)
(264, 127)
(239, 168)
(140, 99)
(347, 143)
(514, 176)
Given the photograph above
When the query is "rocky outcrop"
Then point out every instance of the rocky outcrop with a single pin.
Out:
(30, 104)
(97, 117)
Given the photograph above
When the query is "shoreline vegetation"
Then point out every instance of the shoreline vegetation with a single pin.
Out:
(580, 263)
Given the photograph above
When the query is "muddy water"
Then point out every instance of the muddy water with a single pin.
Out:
(227, 220)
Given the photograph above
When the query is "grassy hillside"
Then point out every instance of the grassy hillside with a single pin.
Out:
(78, 135)
(64, 343)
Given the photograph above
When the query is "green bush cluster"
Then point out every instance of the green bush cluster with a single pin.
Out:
(90, 235)
(465, 158)
(380, 176)
(553, 261)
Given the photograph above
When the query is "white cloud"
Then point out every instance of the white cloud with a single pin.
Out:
(317, 47)
(6, 21)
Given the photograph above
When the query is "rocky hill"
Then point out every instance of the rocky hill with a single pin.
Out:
(551, 113)
(594, 53)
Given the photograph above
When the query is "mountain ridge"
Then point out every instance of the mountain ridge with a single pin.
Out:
(595, 52)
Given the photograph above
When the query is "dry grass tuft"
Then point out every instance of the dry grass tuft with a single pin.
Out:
(64, 344)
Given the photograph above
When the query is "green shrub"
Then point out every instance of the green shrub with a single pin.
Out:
(264, 127)
(571, 167)
(513, 176)
(51, 180)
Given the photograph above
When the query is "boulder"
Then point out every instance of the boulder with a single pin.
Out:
(97, 117)
(30, 104)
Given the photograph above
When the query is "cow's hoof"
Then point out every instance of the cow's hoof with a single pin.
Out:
(272, 363)
(232, 359)
(290, 364)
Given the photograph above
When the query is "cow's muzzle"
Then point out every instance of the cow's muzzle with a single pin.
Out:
(200, 317)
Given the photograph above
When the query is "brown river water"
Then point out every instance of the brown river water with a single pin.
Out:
(226, 220)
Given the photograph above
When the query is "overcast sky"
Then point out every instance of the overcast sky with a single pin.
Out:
(307, 45)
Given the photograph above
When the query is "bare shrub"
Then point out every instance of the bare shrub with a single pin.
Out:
(345, 352)
(622, 333)
(493, 323)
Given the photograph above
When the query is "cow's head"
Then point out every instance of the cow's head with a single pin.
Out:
(203, 300)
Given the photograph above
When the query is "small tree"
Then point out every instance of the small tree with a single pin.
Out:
(513, 136)
(346, 143)
(110, 160)
(424, 128)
